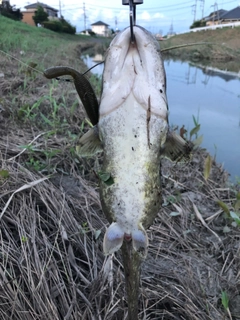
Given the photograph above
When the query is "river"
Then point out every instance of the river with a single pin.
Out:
(211, 97)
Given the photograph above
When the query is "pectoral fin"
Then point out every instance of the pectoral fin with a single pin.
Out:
(176, 148)
(113, 239)
(89, 143)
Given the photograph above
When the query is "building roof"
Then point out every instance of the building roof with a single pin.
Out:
(99, 23)
(37, 4)
(215, 15)
(233, 14)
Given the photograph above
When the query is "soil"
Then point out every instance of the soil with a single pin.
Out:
(52, 226)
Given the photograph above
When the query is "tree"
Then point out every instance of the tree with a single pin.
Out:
(10, 11)
(40, 15)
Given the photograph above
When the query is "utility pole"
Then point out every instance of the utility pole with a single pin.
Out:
(84, 16)
(194, 10)
(202, 5)
(215, 13)
(60, 10)
(116, 24)
(170, 33)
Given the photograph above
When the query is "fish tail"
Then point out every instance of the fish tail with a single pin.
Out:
(113, 238)
(140, 241)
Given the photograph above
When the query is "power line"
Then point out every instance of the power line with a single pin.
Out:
(116, 11)
(93, 6)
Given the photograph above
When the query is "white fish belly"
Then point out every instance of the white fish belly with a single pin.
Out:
(131, 136)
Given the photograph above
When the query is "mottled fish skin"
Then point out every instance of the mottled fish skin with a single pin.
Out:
(133, 124)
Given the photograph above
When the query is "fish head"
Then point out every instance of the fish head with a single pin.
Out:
(134, 67)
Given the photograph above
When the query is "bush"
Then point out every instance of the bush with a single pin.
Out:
(10, 11)
(54, 25)
(67, 27)
(59, 26)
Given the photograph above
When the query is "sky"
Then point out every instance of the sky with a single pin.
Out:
(157, 16)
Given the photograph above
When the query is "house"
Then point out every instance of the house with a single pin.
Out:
(214, 17)
(223, 16)
(231, 16)
(100, 28)
(30, 11)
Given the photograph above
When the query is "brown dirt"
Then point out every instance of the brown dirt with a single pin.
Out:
(52, 227)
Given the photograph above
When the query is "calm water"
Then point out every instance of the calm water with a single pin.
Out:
(212, 98)
(215, 100)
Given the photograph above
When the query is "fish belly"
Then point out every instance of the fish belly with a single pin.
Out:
(132, 139)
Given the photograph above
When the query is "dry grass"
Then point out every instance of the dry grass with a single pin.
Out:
(52, 265)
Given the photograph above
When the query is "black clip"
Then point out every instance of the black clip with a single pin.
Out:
(132, 14)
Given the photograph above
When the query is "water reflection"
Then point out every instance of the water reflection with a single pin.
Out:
(92, 61)
(215, 100)
(211, 96)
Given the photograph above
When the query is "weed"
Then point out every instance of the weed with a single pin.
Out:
(24, 239)
(96, 81)
(27, 112)
(225, 303)
(232, 212)
(35, 164)
(172, 199)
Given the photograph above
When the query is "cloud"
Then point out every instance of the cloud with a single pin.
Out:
(108, 14)
(78, 15)
(159, 15)
(145, 16)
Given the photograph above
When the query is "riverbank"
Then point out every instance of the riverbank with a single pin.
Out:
(219, 48)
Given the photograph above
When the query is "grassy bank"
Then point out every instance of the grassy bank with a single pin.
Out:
(52, 265)
(42, 46)
(220, 48)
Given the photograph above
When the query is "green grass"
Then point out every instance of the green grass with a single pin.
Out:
(17, 35)
(43, 46)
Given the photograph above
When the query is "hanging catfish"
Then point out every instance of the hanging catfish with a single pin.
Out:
(131, 127)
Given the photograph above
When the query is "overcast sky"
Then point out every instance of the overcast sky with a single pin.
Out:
(155, 15)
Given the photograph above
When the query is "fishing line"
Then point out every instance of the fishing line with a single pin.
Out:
(24, 63)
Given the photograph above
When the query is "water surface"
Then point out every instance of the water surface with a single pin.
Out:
(213, 98)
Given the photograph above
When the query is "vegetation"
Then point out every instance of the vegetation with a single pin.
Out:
(60, 26)
(57, 25)
(10, 11)
(198, 24)
(52, 225)
(40, 16)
